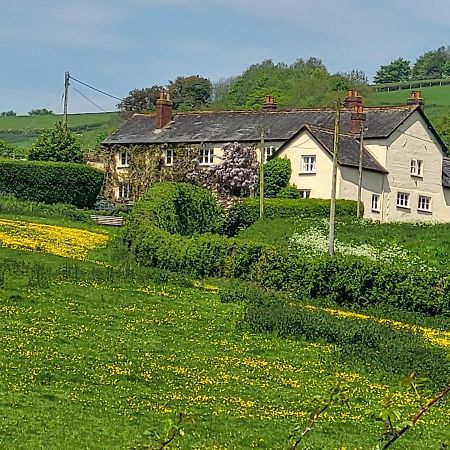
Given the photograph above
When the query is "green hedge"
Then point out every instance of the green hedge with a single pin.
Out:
(246, 212)
(50, 182)
(277, 172)
(178, 208)
(379, 347)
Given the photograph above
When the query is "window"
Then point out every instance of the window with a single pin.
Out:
(308, 164)
(305, 193)
(402, 200)
(123, 159)
(168, 157)
(124, 191)
(206, 157)
(416, 167)
(424, 203)
(268, 152)
(375, 202)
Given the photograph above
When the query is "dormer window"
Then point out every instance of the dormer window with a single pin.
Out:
(416, 167)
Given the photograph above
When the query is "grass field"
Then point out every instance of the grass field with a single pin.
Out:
(90, 128)
(98, 353)
(437, 100)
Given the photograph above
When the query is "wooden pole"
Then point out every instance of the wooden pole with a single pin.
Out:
(261, 175)
(361, 152)
(66, 95)
(334, 180)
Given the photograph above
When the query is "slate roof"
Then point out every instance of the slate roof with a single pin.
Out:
(245, 126)
(446, 172)
(348, 148)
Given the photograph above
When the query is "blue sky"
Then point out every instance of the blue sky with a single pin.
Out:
(118, 45)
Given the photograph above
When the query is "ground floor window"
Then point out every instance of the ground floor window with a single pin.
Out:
(305, 193)
(376, 206)
(424, 203)
(124, 191)
(268, 152)
(206, 156)
(402, 200)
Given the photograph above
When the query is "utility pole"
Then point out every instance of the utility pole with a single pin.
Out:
(334, 180)
(261, 175)
(66, 95)
(361, 152)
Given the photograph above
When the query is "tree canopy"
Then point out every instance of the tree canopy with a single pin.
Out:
(396, 71)
(40, 112)
(56, 144)
(190, 93)
(432, 64)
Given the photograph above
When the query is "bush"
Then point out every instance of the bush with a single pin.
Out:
(49, 182)
(289, 192)
(246, 212)
(178, 208)
(277, 172)
(379, 347)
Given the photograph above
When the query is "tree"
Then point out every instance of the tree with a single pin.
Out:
(40, 112)
(343, 81)
(57, 144)
(190, 93)
(141, 100)
(432, 64)
(8, 113)
(394, 72)
(443, 128)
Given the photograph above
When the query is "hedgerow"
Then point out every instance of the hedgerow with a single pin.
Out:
(51, 182)
(158, 229)
(378, 346)
(246, 212)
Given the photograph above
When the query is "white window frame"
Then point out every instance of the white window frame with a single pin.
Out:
(424, 203)
(305, 193)
(417, 167)
(376, 202)
(123, 159)
(124, 191)
(268, 152)
(169, 155)
(206, 156)
(403, 199)
(309, 164)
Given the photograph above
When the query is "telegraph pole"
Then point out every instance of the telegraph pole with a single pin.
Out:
(66, 95)
(334, 180)
(261, 175)
(361, 152)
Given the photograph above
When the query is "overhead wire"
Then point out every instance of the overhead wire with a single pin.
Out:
(95, 89)
(88, 99)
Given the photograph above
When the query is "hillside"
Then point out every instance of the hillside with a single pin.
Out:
(437, 100)
(21, 131)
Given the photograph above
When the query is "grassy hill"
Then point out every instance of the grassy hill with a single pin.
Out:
(437, 100)
(21, 131)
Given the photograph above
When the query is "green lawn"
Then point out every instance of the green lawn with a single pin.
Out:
(94, 356)
(21, 131)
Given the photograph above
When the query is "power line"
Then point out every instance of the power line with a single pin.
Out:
(95, 89)
(88, 99)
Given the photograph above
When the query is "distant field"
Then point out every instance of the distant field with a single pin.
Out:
(21, 131)
(437, 100)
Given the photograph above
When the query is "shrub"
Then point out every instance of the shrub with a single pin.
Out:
(277, 172)
(49, 182)
(379, 347)
(178, 208)
(246, 212)
(289, 192)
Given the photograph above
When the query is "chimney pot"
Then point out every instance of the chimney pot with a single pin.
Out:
(353, 99)
(416, 99)
(269, 104)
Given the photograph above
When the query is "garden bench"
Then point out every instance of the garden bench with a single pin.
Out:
(114, 221)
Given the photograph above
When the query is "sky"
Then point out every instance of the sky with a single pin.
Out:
(119, 45)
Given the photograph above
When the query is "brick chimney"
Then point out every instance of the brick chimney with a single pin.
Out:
(269, 104)
(353, 99)
(416, 99)
(357, 119)
(164, 108)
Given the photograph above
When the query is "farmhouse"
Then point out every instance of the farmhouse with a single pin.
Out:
(405, 174)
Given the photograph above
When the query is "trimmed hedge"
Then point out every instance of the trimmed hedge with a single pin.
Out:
(246, 212)
(394, 351)
(51, 182)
